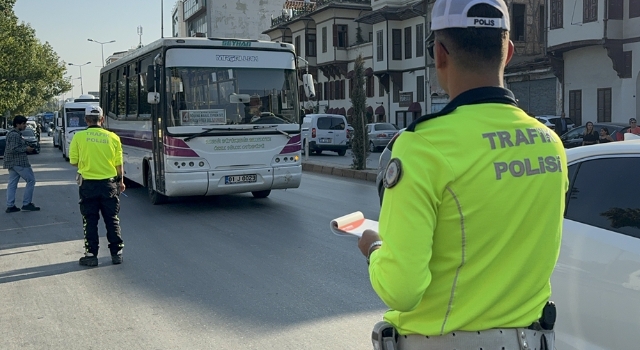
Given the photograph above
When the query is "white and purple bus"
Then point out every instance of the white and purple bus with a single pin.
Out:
(203, 117)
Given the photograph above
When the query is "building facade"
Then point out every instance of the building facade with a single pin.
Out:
(595, 50)
(244, 19)
(390, 35)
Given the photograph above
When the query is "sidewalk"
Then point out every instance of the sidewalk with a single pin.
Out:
(324, 165)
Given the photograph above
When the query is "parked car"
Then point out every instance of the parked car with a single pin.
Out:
(573, 138)
(29, 135)
(380, 134)
(325, 132)
(385, 157)
(3, 141)
(596, 283)
(550, 121)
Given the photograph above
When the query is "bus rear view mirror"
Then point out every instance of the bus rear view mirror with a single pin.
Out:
(151, 78)
(239, 98)
(307, 83)
(59, 122)
(153, 98)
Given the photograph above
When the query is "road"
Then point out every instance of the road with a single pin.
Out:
(229, 272)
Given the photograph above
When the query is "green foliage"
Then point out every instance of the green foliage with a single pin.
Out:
(31, 73)
(359, 140)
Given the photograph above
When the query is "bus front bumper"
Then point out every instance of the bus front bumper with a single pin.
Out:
(218, 182)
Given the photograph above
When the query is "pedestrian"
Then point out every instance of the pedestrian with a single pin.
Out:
(561, 126)
(471, 221)
(16, 160)
(98, 155)
(633, 127)
(590, 135)
(605, 137)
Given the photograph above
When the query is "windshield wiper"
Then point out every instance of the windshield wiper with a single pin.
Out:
(272, 126)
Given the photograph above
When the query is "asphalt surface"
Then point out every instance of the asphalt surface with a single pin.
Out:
(228, 272)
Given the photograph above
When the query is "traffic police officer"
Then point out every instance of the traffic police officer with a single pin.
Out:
(471, 220)
(98, 155)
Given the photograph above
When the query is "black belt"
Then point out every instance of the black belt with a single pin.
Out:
(111, 179)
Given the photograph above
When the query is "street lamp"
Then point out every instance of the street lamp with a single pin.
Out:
(102, 46)
(80, 65)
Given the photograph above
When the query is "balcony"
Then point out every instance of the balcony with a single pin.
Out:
(296, 9)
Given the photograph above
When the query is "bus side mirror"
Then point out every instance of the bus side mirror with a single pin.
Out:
(59, 122)
(153, 98)
(307, 83)
(151, 78)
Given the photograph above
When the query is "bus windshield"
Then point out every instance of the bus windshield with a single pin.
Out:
(228, 96)
(75, 118)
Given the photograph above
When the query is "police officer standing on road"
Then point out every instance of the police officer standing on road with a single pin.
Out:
(98, 155)
(471, 220)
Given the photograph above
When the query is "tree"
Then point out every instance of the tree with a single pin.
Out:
(31, 73)
(358, 100)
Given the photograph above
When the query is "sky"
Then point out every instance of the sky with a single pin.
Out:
(67, 24)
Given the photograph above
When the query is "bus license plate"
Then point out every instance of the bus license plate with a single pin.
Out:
(239, 179)
(325, 140)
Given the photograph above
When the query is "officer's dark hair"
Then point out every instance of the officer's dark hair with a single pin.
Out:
(19, 119)
(476, 49)
(93, 119)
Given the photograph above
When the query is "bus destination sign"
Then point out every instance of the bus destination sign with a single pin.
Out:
(236, 43)
(203, 117)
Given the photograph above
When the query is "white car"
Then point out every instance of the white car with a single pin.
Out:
(596, 283)
(550, 121)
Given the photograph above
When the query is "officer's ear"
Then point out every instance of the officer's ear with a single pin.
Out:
(510, 50)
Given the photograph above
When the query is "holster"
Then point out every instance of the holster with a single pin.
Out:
(384, 336)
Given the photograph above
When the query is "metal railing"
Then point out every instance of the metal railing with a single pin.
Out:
(310, 7)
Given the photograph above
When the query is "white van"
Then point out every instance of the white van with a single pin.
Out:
(325, 132)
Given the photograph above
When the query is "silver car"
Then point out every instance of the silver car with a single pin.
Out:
(380, 134)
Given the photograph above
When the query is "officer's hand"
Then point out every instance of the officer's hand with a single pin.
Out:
(364, 242)
(122, 187)
(30, 149)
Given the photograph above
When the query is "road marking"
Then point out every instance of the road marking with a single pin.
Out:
(26, 227)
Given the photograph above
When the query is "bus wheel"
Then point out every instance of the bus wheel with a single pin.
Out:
(154, 197)
(261, 194)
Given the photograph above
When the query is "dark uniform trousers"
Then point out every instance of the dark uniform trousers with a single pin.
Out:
(100, 197)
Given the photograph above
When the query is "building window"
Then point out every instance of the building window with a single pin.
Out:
(557, 13)
(326, 91)
(297, 46)
(396, 42)
(541, 24)
(407, 43)
(627, 71)
(575, 106)
(319, 92)
(634, 8)
(311, 45)
(420, 40)
(589, 11)
(518, 12)
(198, 27)
(191, 7)
(604, 105)
(343, 93)
(324, 39)
(616, 9)
(340, 37)
(420, 88)
(380, 88)
(370, 86)
(379, 46)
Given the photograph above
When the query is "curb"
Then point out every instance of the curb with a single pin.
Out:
(366, 175)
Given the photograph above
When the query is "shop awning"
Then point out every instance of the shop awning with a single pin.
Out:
(342, 111)
(370, 110)
(380, 110)
(415, 107)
